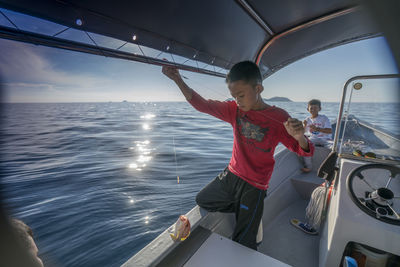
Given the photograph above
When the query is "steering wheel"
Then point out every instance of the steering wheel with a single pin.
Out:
(375, 195)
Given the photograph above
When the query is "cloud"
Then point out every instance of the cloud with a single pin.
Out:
(37, 86)
(24, 65)
(40, 74)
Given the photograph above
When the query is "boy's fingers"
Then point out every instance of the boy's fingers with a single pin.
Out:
(293, 121)
(294, 124)
(168, 70)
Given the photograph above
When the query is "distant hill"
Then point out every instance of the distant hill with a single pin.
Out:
(278, 99)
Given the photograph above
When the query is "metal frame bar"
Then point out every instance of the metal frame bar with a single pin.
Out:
(340, 113)
(301, 27)
(256, 17)
(50, 41)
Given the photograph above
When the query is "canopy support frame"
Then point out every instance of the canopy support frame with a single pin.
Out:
(50, 41)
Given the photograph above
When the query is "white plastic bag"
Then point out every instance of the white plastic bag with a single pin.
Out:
(181, 230)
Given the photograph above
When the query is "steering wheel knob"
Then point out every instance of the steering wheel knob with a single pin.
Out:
(385, 193)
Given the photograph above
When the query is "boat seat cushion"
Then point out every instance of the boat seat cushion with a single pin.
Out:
(305, 183)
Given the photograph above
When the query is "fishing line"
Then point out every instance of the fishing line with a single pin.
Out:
(181, 229)
(221, 94)
(177, 176)
(206, 87)
(227, 97)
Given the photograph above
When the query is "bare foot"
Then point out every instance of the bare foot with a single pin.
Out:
(305, 169)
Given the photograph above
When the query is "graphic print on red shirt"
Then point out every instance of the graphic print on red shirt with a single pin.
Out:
(252, 132)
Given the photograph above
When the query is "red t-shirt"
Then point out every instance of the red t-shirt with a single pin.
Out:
(256, 134)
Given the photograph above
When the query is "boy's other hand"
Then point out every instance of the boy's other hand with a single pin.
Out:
(295, 128)
(313, 128)
(171, 73)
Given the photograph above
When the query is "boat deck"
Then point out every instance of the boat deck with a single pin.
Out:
(301, 249)
(220, 251)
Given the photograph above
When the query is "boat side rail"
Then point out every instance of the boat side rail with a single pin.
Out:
(370, 160)
(379, 130)
(156, 250)
(202, 224)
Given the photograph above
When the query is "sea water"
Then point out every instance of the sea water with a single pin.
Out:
(98, 181)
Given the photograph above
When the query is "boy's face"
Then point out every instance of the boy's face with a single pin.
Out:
(314, 109)
(247, 96)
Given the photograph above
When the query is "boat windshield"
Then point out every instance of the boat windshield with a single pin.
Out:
(370, 122)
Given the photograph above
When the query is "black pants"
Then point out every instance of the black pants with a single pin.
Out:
(229, 193)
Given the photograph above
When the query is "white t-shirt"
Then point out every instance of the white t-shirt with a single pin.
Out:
(321, 121)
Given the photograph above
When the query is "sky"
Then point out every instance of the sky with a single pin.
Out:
(31, 73)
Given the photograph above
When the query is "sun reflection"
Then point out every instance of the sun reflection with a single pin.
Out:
(146, 126)
(146, 219)
(133, 165)
(148, 116)
(144, 158)
(143, 153)
(131, 200)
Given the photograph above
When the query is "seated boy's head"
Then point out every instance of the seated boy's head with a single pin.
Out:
(314, 106)
(24, 237)
(245, 85)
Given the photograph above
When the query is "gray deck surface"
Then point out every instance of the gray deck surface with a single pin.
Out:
(288, 244)
(219, 251)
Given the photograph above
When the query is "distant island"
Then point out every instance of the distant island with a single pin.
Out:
(278, 99)
(272, 99)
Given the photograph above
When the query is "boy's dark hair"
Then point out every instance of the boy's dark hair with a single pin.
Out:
(314, 102)
(246, 71)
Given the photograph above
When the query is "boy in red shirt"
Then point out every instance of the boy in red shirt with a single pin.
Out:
(258, 128)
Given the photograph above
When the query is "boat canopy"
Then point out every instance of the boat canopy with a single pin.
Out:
(213, 34)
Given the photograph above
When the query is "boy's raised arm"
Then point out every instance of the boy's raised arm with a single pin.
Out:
(174, 75)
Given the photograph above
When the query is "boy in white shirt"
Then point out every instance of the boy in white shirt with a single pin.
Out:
(319, 129)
